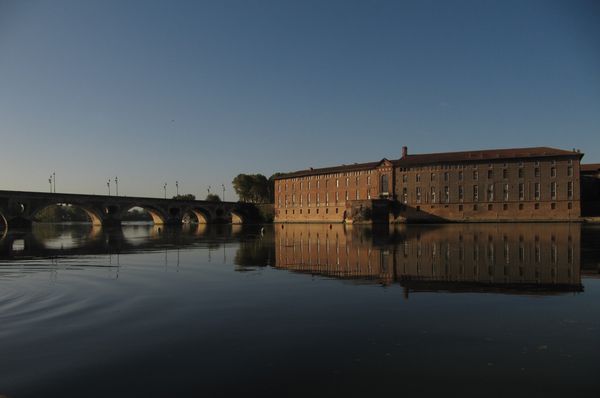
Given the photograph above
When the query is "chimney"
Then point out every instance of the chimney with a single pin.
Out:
(404, 151)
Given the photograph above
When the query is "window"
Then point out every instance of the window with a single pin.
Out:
(505, 206)
(536, 172)
(520, 206)
(490, 192)
(337, 183)
(490, 173)
(418, 178)
(357, 194)
(570, 205)
(369, 193)
(418, 194)
(505, 191)
(369, 180)
(475, 207)
(446, 176)
(505, 173)
(460, 175)
(553, 206)
(490, 207)
(521, 172)
(570, 171)
(308, 199)
(405, 178)
(346, 195)
(553, 172)
(475, 193)
(461, 193)
(404, 195)
(432, 176)
(475, 175)
(446, 194)
(536, 206)
(432, 194)
(460, 207)
(537, 191)
(553, 190)
(521, 191)
(384, 184)
(570, 190)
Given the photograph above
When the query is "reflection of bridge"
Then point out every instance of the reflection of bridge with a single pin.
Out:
(56, 240)
(18, 209)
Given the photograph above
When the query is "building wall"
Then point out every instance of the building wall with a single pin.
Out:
(324, 197)
(334, 197)
(503, 190)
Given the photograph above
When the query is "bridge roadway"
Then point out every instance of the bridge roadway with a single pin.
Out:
(19, 208)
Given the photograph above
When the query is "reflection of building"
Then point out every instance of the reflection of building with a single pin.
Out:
(494, 185)
(502, 257)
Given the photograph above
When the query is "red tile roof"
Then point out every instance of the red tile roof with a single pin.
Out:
(443, 157)
(490, 154)
(591, 167)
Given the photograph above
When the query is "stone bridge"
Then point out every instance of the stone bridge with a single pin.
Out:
(18, 208)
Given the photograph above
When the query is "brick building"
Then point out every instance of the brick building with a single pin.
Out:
(520, 184)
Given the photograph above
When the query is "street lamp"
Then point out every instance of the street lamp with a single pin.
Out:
(108, 185)
(50, 181)
(223, 185)
(117, 185)
(208, 189)
(165, 188)
(54, 180)
(177, 187)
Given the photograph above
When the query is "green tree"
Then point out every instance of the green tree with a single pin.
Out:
(254, 188)
(211, 197)
(187, 196)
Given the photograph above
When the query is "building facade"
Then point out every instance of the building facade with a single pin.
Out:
(537, 184)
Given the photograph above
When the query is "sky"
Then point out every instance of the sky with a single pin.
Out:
(200, 91)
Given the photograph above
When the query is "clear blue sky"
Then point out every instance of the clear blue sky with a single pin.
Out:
(199, 91)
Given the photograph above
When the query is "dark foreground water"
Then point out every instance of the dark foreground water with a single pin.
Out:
(455, 310)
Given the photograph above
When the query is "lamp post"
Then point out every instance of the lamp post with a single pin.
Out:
(177, 187)
(108, 185)
(165, 188)
(208, 189)
(223, 185)
(117, 186)
(54, 180)
(50, 181)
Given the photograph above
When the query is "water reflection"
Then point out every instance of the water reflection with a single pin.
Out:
(50, 240)
(510, 258)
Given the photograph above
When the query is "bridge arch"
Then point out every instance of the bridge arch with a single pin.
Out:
(158, 216)
(237, 217)
(201, 214)
(3, 226)
(94, 215)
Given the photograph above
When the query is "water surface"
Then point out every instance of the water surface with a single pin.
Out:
(299, 310)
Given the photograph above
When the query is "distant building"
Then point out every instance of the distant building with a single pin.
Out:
(520, 184)
(590, 190)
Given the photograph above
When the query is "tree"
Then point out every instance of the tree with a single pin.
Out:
(187, 196)
(211, 197)
(253, 188)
